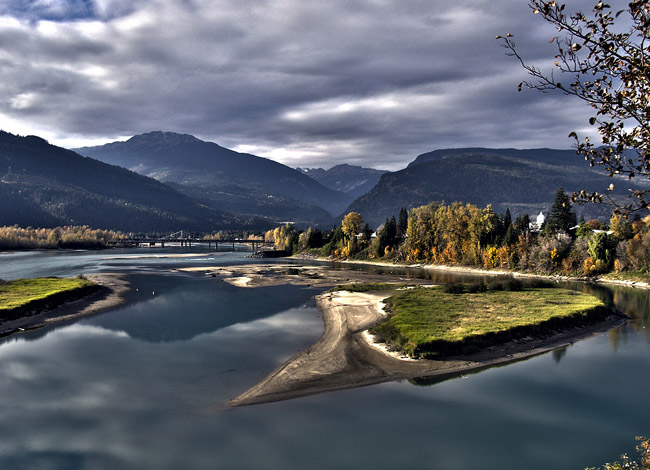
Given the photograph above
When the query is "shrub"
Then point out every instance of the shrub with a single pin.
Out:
(476, 287)
(454, 288)
(508, 283)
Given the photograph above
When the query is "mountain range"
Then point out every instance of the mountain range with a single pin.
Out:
(42, 185)
(204, 187)
(355, 181)
(524, 181)
(221, 178)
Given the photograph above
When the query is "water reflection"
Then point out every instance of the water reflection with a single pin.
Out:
(559, 353)
(176, 308)
(103, 398)
(145, 387)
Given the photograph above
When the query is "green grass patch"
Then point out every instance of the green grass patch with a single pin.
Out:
(21, 295)
(432, 323)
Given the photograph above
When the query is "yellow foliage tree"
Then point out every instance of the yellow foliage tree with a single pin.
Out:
(352, 224)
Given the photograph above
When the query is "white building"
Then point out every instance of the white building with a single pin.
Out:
(536, 226)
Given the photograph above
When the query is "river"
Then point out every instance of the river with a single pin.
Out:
(145, 385)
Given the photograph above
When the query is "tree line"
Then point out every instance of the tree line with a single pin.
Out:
(466, 235)
(17, 238)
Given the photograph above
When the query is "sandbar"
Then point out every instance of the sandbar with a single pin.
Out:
(347, 357)
(273, 274)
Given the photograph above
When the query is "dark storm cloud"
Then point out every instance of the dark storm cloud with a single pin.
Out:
(374, 82)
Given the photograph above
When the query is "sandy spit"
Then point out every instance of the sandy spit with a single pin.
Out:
(347, 357)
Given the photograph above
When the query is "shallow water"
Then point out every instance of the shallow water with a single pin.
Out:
(145, 386)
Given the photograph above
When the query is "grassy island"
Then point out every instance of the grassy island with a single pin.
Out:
(441, 321)
(25, 295)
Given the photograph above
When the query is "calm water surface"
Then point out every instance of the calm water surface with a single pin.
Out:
(145, 386)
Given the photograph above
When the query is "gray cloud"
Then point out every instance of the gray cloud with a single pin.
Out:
(372, 82)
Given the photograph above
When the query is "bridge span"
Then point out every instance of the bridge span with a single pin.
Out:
(182, 239)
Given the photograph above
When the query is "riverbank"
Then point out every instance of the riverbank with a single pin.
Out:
(479, 271)
(109, 294)
(346, 356)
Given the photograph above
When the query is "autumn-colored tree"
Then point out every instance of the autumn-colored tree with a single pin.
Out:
(620, 227)
(283, 238)
(16, 237)
(352, 224)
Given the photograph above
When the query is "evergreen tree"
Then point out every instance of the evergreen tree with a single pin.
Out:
(367, 231)
(391, 231)
(508, 229)
(402, 222)
(387, 236)
(522, 225)
(315, 238)
(507, 219)
(562, 217)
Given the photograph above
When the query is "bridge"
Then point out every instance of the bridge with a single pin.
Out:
(185, 239)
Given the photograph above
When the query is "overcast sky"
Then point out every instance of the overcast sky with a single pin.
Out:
(307, 83)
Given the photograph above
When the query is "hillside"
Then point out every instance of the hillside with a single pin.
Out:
(219, 175)
(552, 157)
(42, 185)
(355, 181)
(523, 180)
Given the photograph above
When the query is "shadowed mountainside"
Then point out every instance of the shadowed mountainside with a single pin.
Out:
(523, 180)
(44, 186)
(222, 178)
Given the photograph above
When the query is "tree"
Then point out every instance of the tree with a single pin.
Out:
(352, 224)
(522, 225)
(602, 250)
(402, 222)
(620, 227)
(607, 56)
(562, 217)
(386, 237)
(315, 238)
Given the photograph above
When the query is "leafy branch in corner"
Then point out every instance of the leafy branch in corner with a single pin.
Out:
(606, 58)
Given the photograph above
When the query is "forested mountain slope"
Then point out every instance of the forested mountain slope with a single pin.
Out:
(523, 180)
(43, 186)
(220, 176)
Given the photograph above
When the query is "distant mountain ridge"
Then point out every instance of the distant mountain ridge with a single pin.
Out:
(42, 185)
(522, 180)
(219, 176)
(352, 180)
(539, 155)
